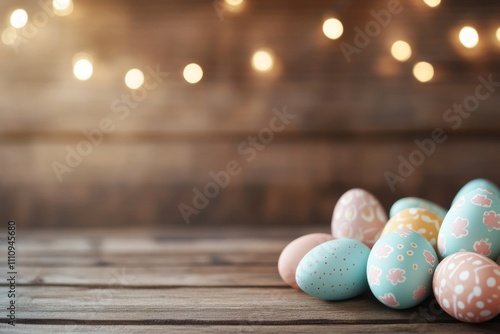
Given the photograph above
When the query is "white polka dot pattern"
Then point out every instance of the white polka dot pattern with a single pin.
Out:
(467, 286)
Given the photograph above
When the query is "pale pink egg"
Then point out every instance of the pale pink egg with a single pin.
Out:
(358, 215)
(467, 286)
(295, 251)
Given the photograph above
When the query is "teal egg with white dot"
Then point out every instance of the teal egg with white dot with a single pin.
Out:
(400, 269)
(334, 270)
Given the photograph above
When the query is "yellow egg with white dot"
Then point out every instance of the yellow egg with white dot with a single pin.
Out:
(423, 221)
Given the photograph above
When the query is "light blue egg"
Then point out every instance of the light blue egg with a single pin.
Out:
(415, 202)
(400, 269)
(334, 270)
(472, 224)
(474, 184)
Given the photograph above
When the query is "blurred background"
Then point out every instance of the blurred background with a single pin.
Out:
(120, 113)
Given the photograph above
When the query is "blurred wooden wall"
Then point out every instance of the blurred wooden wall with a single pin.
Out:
(352, 120)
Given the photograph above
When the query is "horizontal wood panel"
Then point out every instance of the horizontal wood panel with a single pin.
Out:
(76, 327)
(286, 183)
(213, 305)
(167, 259)
(351, 123)
(128, 302)
(176, 109)
(149, 275)
(313, 79)
(184, 245)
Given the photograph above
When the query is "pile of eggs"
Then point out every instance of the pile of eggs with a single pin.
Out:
(421, 249)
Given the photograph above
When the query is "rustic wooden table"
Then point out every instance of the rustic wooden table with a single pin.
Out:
(186, 279)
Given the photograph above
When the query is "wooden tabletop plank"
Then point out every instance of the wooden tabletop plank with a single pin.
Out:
(155, 247)
(150, 239)
(120, 276)
(187, 280)
(166, 259)
(71, 327)
(209, 305)
(169, 233)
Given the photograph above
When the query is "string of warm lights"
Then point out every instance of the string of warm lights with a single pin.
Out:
(401, 50)
(263, 60)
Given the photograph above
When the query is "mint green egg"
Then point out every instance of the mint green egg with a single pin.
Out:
(472, 224)
(474, 184)
(334, 270)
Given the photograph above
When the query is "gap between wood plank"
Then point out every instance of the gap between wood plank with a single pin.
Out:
(219, 322)
(207, 136)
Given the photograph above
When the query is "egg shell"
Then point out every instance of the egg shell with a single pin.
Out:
(467, 286)
(358, 215)
(472, 224)
(474, 184)
(423, 221)
(334, 270)
(295, 251)
(400, 269)
(415, 202)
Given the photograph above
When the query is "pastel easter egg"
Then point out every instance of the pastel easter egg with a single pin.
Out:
(415, 202)
(294, 252)
(358, 215)
(472, 224)
(467, 286)
(419, 220)
(334, 270)
(400, 269)
(474, 184)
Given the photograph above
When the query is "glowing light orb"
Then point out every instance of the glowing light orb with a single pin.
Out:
(333, 28)
(423, 71)
(193, 73)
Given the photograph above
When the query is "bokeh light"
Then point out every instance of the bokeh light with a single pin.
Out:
(134, 78)
(262, 61)
(62, 7)
(498, 34)
(9, 36)
(432, 3)
(18, 18)
(468, 37)
(423, 71)
(82, 68)
(234, 2)
(193, 73)
(401, 51)
(333, 28)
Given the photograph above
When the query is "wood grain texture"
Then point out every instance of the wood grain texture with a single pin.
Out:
(233, 305)
(156, 296)
(75, 327)
(150, 275)
(286, 183)
(352, 120)
(313, 78)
